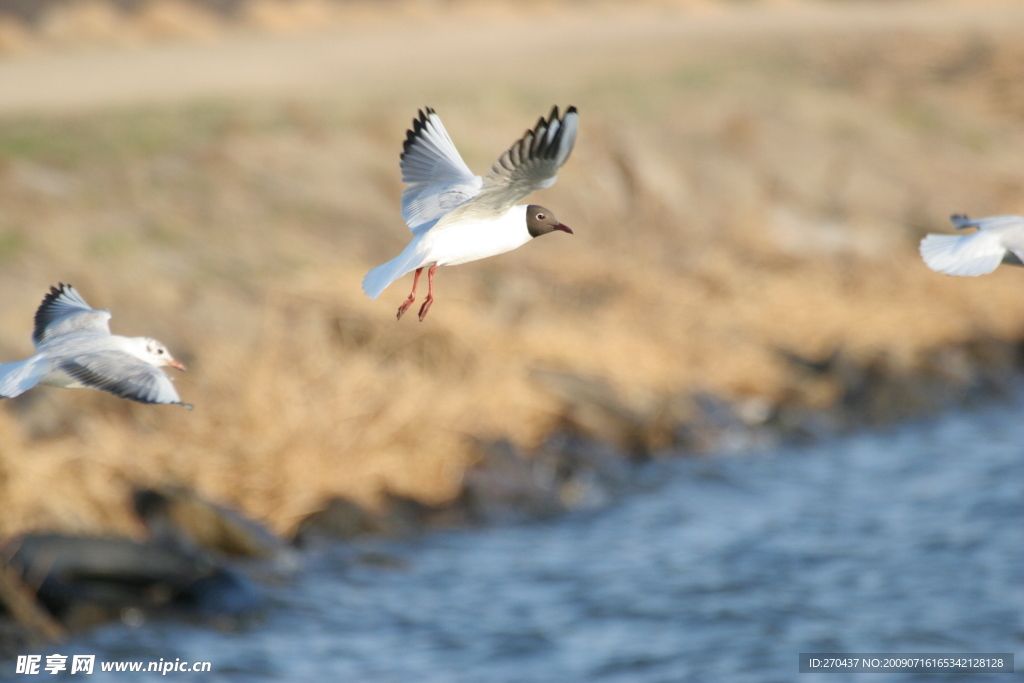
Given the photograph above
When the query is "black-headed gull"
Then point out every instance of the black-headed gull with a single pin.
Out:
(77, 351)
(998, 239)
(457, 217)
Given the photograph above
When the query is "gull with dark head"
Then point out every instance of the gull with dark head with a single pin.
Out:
(77, 351)
(998, 239)
(457, 217)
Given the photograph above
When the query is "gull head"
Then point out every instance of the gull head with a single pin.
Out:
(155, 353)
(540, 221)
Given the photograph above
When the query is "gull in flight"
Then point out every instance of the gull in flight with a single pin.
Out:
(457, 217)
(77, 351)
(998, 239)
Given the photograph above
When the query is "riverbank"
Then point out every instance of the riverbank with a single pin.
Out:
(885, 540)
(747, 198)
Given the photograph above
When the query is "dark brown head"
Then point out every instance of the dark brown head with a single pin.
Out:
(540, 221)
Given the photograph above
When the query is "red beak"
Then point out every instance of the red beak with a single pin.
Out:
(176, 364)
(563, 228)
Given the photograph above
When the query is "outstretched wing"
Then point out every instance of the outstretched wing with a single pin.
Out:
(64, 311)
(121, 374)
(438, 178)
(978, 253)
(1009, 228)
(18, 377)
(531, 163)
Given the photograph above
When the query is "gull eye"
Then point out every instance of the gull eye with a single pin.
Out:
(160, 352)
(541, 216)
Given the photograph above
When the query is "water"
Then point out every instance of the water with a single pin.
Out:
(720, 569)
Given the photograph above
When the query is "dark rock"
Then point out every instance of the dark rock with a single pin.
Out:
(225, 592)
(703, 423)
(340, 519)
(880, 389)
(177, 518)
(405, 516)
(591, 407)
(503, 486)
(399, 517)
(84, 580)
(586, 474)
(997, 363)
(889, 393)
(803, 424)
(569, 472)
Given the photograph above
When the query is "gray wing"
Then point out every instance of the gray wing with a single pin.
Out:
(531, 163)
(121, 374)
(64, 311)
(438, 178)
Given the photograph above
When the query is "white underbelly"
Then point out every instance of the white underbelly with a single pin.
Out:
(465, 251)
(465, 242)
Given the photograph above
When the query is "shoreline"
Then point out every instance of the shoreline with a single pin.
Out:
(571, 472)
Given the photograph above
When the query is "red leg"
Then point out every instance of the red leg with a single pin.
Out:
(412, 295)
(430, 293)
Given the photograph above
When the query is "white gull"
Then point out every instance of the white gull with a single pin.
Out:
(77, 351)
(998, 239)
(457, 217)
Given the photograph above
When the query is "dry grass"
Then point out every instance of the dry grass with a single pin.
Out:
(729, 197)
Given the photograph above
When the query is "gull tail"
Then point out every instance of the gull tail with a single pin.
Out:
(975, 254)
(18, 377)
(378, 279)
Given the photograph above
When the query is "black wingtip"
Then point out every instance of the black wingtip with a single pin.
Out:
(55, 292)
(554, 115)
(41, 311)
(418, 124)
(556, 141)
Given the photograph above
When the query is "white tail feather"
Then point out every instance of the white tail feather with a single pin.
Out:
(975, 254)
(18, 377)
(378, 279)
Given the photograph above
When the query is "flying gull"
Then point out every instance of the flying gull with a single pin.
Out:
(77, 351)
(457, 217)
(998, 239)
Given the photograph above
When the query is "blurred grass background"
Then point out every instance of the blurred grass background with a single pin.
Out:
(748, 177)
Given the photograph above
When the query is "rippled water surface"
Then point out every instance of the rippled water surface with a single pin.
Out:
(719, 569)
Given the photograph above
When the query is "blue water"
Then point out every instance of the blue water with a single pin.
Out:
(717, 569)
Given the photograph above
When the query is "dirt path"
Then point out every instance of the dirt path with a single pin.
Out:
(418, 54)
